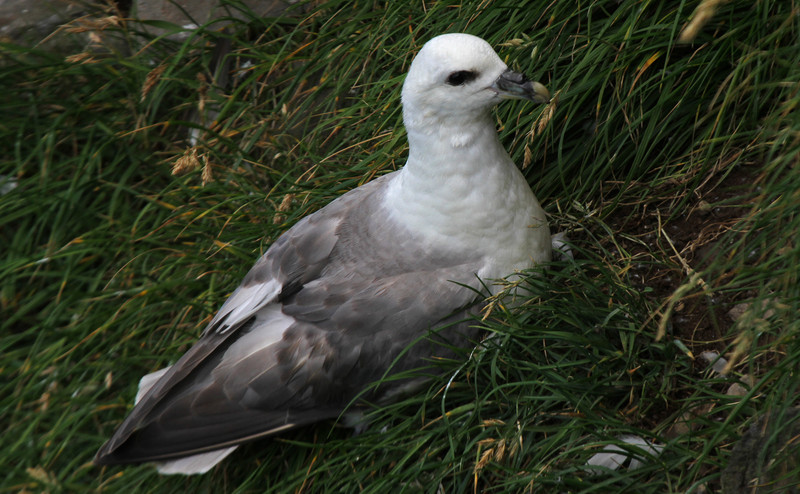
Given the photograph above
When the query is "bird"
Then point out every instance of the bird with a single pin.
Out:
(368, 286)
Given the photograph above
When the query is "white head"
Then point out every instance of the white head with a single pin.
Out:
(460, 77)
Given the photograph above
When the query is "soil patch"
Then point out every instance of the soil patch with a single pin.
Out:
(669, 248)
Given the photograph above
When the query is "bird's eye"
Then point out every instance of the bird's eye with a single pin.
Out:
(460, 77)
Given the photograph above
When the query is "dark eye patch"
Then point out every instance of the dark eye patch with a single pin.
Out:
(460, 77)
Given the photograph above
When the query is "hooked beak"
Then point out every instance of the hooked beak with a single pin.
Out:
(513, 85)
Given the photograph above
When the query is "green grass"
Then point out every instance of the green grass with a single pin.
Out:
(110, 265)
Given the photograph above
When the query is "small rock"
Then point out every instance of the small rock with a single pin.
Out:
(718, 363)
(7, 184)
(739, 310)
(739, 389)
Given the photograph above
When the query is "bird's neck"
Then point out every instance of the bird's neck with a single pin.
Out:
(460, 188)
(443, 156)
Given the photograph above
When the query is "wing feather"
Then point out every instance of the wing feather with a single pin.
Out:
(321, 315)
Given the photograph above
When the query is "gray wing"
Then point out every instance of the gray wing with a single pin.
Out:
(331, 307)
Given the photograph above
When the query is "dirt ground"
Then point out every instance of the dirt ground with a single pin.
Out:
(690, 241)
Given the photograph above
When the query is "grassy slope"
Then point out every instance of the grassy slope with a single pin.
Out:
(110, 266)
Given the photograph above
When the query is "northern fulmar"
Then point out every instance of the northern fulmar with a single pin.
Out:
(348, 294)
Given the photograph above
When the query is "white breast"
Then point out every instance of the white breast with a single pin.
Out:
(470, 198)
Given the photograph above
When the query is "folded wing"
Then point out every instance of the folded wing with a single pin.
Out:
(330, 308)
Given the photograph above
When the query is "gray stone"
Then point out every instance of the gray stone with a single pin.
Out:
(31, 21)
(191, 13)
(767, 457)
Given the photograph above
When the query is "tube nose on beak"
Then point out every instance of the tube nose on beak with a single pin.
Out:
(514, 85)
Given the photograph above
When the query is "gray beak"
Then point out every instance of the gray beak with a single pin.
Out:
(513, 85)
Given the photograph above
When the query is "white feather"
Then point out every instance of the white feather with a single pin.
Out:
(268, 329)
(147, 382)
(614, 457)
(194, 465)
(246, 301)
